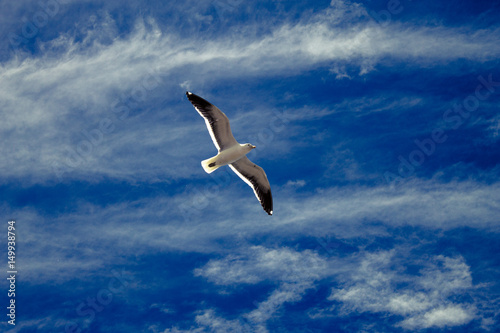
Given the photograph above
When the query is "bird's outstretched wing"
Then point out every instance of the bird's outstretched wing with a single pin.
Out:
(255, 176)
(216, 121)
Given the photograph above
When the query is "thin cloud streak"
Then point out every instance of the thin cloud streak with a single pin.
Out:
(134, 227)
(101, 167)
(425, 302)
(34, 92)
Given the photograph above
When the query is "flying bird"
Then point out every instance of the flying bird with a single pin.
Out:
(231, 152)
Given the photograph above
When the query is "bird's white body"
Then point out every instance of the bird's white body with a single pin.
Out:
(226, 156)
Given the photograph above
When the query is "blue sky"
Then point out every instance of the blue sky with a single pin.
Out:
(377, 124)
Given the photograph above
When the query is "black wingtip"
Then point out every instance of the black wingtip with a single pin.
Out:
(268, 207)
(197, 101)
(190, 96)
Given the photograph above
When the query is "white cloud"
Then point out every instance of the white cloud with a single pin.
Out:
(447, 316)
(408, 304)
(165, 308)
(192, 220)
(420, 203)
(47, 101)
(155, 225)
(494, 128)
(454, 275)
(214, 323)
(373, 287)
(259, 264)
(294, 272)
(296, 183)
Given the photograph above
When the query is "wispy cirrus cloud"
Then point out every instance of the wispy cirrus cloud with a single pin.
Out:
(133, 227)
(425, 302)
(102, 172)
(294, 272)
(50, 99)
(441, 294)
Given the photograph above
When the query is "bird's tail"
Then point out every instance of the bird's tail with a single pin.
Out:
(210, 165)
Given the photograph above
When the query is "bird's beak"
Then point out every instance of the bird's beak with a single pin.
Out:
(253, 147)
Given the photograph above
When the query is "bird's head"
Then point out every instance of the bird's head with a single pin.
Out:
(249, 146)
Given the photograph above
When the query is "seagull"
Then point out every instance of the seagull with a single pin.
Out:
(231, 152)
